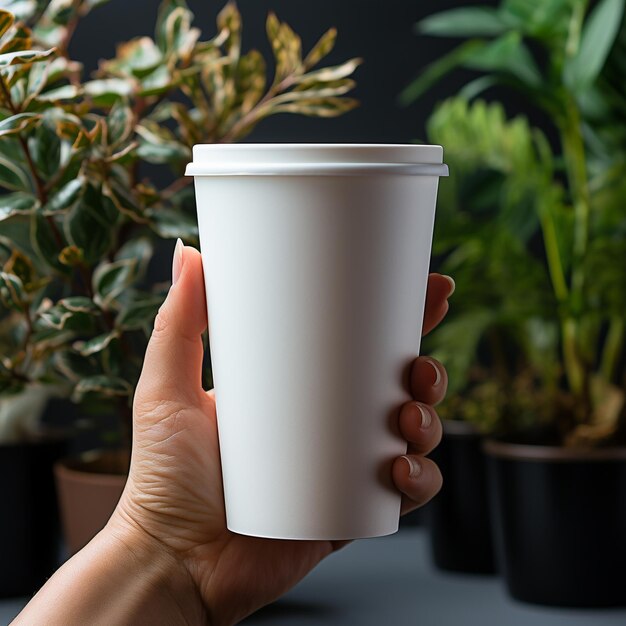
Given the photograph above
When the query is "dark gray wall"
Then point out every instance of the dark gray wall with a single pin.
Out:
(380, 31)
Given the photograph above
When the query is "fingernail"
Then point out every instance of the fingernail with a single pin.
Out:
(452, 284)
(426, 417)
(415, 469)
(436, 370)
(177, 261)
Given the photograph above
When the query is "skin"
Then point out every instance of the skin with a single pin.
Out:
(166, 556)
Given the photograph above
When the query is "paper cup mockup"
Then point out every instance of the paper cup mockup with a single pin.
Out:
(316, 260)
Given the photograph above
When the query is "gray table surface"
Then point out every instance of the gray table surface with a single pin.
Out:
(392, 581)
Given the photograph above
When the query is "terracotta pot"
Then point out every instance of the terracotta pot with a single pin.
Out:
(458, 516)
(29, 525)
(559, 521)
(89, 489)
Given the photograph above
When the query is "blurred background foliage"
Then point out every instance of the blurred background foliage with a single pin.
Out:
(79, 219)
(532, 224)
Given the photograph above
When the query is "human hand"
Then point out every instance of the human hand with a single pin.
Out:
(173, 502)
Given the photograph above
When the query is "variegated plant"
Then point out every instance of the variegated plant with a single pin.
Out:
(78, 217)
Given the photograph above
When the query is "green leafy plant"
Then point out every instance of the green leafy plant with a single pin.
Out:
(79, 217)
(534, 229)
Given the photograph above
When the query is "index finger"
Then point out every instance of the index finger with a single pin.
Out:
(439, 289)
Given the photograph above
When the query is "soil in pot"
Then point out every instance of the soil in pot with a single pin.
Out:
(560, 523)
(89, 489)
(29, 523)
(458, 516)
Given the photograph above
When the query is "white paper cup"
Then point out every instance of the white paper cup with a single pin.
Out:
(316, 260)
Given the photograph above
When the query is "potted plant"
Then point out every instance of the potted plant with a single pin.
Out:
(81, 214)
(534, 230)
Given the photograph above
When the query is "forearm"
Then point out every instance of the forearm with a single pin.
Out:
(116, 580)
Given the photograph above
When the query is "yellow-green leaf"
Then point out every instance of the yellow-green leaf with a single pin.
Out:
(6, 21)
(24, 56)
(95, 344)
(17, 123)
(229, 22)
(321, 49)
(11, 291)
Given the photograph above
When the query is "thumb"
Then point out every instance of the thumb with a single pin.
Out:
(172, 369)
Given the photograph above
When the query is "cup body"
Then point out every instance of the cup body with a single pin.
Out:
(316, 263)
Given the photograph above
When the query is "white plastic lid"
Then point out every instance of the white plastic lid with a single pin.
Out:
(316, 159)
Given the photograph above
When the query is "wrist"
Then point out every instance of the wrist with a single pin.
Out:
(162, 575)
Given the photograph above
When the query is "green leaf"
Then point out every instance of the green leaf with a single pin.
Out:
(174, 33)
(95, 344)
(24, 56)
(65, 92)
(111, 279)
(140, 249)
(166, 9)
(508, 55)
(17, 203)
(598, 37)
(18, 123)
(137, 57)
(11, 291)
(120, 123)
(171, 224)
(548, 20)
(79, 304)
(157, 82)
(12, 176)
(44, 242)
(464, 22)
(434, 72)
(124, 201)
(89, 224)
(106, 91)
(106, 386)
(75, 314)
(155, 149)
(73, 366)
(6, 21)
(65, 198)
(321, 49)
(139, 313)
(455, 344)
(45, 148)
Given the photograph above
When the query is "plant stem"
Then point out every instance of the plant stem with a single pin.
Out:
(576, 167)
(70, 28)
(574, 153)
(41, 191)
(178, 185)
(612, 348)
(555, 265)
(254, 114)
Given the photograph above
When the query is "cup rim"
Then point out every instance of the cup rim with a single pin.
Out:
(324, 159)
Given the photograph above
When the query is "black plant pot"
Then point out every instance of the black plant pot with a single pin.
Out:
(29, 523)
(458, 516)
(560, 523)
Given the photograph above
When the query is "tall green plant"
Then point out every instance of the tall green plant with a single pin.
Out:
(78, 215)
(564, 328)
